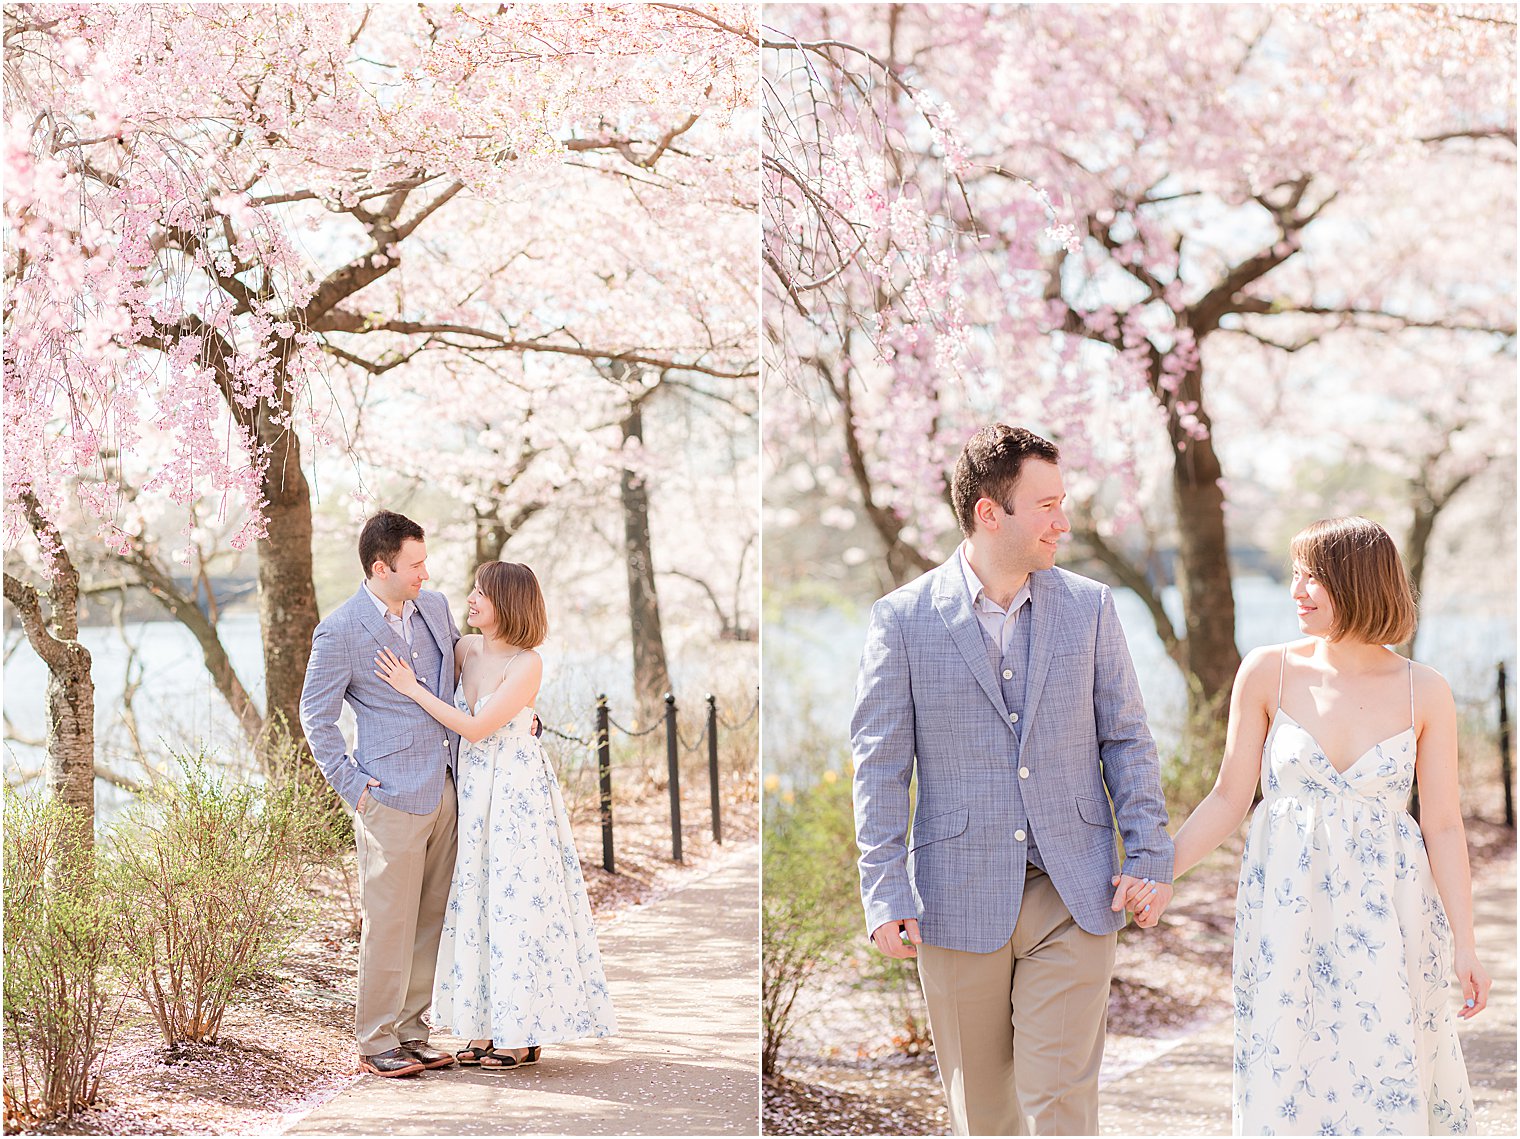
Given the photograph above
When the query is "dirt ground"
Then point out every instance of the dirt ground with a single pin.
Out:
(287, 1043)
(855, 1066)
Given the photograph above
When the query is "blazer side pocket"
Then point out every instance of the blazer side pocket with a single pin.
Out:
(1095, 811)
(381, 748)
(936, 828)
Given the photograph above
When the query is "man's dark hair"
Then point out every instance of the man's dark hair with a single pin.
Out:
(381, 538)
(989, 467)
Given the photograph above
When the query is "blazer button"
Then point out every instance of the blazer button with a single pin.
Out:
(1019, 835)
(1023, 773)
(1007, 674)
(1013, 717)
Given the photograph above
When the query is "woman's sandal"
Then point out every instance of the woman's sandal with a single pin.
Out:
(471, 1055)
(494, 1061)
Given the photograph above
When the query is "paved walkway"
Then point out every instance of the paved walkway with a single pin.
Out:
(1187, 1090)
(685, 984)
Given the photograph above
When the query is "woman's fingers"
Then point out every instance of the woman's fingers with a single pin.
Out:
(1475, 989)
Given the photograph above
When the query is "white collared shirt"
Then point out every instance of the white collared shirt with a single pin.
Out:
(402, 625)
(998, 623)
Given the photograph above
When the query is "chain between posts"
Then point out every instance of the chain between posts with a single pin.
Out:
(573, 739)
(674, 745)
(633, 734)
(755, 707)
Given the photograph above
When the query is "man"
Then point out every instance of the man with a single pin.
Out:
(1005, 686)
(399, 780)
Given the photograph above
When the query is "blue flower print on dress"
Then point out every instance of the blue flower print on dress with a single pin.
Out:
(518, 960)
(1344, 1018)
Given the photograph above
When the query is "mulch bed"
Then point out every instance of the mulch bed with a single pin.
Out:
(792, 1107)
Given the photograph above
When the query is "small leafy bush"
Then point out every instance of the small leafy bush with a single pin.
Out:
(211, 878)
(60, 1004)
(809, 912)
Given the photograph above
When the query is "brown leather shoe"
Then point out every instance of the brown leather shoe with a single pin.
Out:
(431, 1057)
(396, 1062)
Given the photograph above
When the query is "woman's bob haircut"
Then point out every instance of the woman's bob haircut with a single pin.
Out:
(1359, 566)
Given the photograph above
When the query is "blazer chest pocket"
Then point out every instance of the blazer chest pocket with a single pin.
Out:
(936, 828)
(1095, 811)
(390, 745)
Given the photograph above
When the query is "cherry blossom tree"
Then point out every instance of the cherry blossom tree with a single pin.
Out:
(210, 208)
(1081, 208)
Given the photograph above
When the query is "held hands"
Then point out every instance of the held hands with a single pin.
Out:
(1142, 897)
(898, 938)
(1475, 983)
(397, 673)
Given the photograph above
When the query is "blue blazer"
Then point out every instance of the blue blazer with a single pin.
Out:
(399, 744)
(928, 704)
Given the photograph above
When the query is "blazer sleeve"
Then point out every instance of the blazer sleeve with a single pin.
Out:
(1131, 769)
(881, 738)
(327, 678)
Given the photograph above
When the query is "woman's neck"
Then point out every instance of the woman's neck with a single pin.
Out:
(496, 645)
(1350, 656)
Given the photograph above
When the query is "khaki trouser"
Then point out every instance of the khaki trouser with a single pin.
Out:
(1018, 1033)
(406, 862)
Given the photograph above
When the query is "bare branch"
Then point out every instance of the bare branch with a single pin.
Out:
(340, 320)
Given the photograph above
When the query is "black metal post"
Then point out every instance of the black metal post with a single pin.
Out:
(1506, 760)
(604, 777)
(673, 759)
(712, 766)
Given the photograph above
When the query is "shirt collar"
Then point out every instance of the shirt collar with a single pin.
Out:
(408, 607)
(978, 592)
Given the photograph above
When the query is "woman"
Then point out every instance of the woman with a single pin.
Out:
(1346, 906)
(518, 962)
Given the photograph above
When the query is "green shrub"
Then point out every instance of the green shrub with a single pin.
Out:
(810, 908)
(59, 949)
(211, 878)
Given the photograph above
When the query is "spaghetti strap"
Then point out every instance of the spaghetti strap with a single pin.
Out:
(1410, 669)
(1281, 672)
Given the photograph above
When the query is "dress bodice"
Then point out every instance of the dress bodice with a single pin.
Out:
(1294, 766)
(519, 725)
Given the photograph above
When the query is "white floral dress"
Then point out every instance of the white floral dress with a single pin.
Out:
(518, 961)
(1343, 1006)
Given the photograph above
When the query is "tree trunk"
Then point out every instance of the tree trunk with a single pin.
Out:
(69, 769)
(493, 531)
(287, 599)
(1427, 503)
(651, 676)
(490, 538)
(1210, 657)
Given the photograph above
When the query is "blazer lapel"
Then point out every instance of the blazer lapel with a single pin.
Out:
(438, 638)
(445, 649)
(1046, 595)
(953, 604)
(374, 624)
